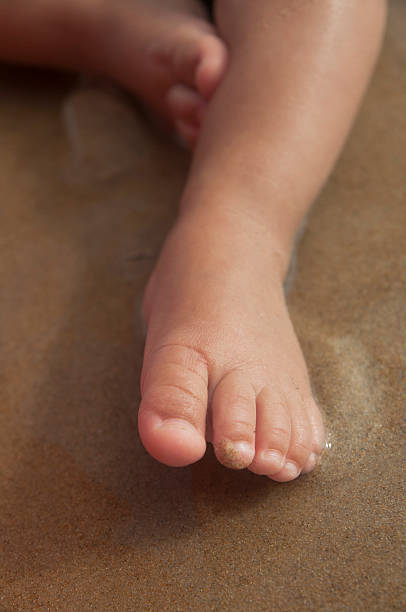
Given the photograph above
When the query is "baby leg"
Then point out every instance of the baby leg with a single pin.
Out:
(222, 361)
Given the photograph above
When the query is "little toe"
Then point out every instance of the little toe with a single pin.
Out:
(317, 435)
(310, 463)
(272, 437)
(173, 408)
(233, 421)
(199, 61)
(317, 426)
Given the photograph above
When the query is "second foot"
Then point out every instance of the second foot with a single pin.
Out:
(222, 362)
(169, 54)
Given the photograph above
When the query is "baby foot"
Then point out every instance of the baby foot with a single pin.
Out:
(168, 53)
(222, 361)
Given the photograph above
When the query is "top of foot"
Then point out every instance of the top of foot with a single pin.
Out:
(222, 361)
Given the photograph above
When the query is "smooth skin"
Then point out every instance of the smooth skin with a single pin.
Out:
(266, 97)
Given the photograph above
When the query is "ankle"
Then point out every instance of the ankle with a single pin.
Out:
(241, 229)
(232, 207)
(87, 28)
(61, 34)
(76, 33)
(82, 27)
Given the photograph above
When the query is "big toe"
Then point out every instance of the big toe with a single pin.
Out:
(197, 58)
(211, 65)
(198, 65)
(172, 414)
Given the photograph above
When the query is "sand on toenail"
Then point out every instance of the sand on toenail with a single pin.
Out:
(234, 454)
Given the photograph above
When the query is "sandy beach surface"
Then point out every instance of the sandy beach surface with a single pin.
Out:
(88, 521)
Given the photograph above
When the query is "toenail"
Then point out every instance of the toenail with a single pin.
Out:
(291, 469)
(310, 463)
(274, 457)
(175, 424)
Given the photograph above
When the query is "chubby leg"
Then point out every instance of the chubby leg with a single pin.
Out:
(219, 334)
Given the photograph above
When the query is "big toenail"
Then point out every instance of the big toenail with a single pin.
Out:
(274, 457)
(291, 469)
(176, 424)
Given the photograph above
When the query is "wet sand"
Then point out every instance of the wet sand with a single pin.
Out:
(88, 520)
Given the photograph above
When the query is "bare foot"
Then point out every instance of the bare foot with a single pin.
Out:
(168, 53)
(222, 361)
